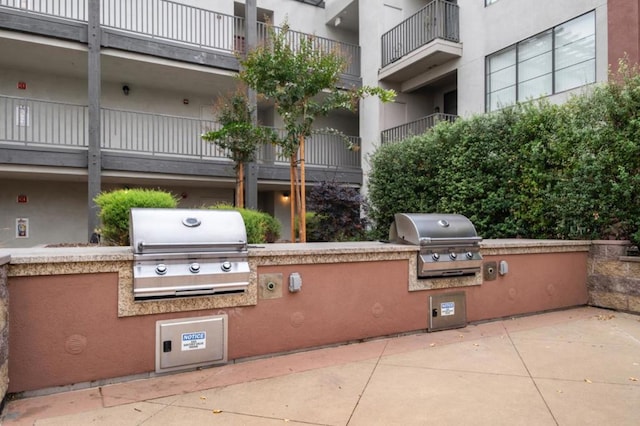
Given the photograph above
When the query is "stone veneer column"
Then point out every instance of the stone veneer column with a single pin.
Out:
(613, 278)
(4, 329)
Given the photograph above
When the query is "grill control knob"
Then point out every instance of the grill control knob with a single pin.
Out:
(453, 256)
(226, 266)
(435, 256)
(161, 269)
(469, 255)
(194, 267)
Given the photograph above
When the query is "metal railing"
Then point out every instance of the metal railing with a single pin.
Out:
(69, 9)
(414, 128)
(157, 134)
(438, 19)
(173, 21)
(30, 122)
(34, 122)
(177, 22)
(351, 52)
(322, 149)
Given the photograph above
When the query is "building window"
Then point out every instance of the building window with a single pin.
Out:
(556, 60)
(575, 53)
(501, 79)
(488, 2)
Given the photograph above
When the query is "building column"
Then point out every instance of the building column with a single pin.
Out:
(94, 160)
(251, 41)
(371, 109)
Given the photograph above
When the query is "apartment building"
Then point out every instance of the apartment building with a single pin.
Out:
(103, 94)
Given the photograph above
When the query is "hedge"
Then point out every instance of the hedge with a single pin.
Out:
(533, 170)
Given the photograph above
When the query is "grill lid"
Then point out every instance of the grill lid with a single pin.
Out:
(155, 231)
(424, 229)
(449, 245)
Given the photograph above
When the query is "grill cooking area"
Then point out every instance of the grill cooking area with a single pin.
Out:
(188, 253)
(449, 244)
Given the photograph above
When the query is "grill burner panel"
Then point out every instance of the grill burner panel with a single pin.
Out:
(449, 245)
(188, 253)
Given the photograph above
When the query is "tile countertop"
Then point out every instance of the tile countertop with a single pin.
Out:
(94, 254)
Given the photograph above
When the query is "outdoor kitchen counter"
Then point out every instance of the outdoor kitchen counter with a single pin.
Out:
(42, 261)
(75, 307)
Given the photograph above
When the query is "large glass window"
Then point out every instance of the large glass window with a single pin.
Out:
(501, 79)
(575, 53)
(559, 59)
(535, 61)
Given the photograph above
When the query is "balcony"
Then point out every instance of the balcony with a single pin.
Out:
(42, 126)
(180, 31)
(429, 38)
(414, 128)
(351, 52)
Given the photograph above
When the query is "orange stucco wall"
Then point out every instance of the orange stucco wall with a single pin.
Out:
(65, 329)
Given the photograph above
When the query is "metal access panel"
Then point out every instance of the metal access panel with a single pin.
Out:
(191, 342)
(447, 311)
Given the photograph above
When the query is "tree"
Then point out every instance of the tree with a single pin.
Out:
(238, 136)
(293, 71)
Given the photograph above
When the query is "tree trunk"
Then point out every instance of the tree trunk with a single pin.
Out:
(240, 186)
(303, 194)
(292, 194)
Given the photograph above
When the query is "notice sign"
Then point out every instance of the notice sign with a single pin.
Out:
(447, 308)
(194, 341)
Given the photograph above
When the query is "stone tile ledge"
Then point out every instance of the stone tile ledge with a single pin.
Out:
(530, 246)
(67, 254)
(97, 254)
(4, 259)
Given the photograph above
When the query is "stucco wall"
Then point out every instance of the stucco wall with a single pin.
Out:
(66, 329)
(47, 199)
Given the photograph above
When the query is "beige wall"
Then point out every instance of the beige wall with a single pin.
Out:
(57, 209)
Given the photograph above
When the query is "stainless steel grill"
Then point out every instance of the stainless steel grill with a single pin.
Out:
(188, 253)
(449, 244)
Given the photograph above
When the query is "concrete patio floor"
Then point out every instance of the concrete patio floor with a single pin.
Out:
(573, 367)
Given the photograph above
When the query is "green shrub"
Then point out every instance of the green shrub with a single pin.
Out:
(337, 213)
(261, 227)
(116, 205)
(533, 170)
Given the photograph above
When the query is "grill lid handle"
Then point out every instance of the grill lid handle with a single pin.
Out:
(449, 241)
(174, 246)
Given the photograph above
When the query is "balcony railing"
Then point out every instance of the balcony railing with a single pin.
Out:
(69, 9)
(178, 23)
(161, 19)
(351, 52)
(321, 149)
(34, 122)
(414, 128)
(156, 134)
(438, 19)
(31, 122)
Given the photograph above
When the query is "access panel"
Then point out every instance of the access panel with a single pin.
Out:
(447, 311)
(191, 342)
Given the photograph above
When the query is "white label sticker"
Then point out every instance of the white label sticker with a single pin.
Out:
(447, 308)
(194, 341)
